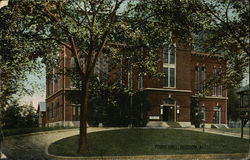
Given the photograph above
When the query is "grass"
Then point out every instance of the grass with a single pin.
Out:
(150, 142)
(20, 131)
(234, 130)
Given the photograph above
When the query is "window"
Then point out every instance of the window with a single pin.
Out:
(73, 83)
(165, 81)
(214, 87)
(177, 109)
(76, 112)
(105, 64)
(203, 72)
(203, 113)
(197, 79)
(220, 88)
(82, 61)
(59, 82)
(48, 113)
(52, 110)
(97, 67)
(172, 77)
(140, 81)
(48, 87)
(73, 62)
(53, 80)
(130, 79)
(165, 55)
(169, 57)
(57, 109)
(169, 79)
(172, 54)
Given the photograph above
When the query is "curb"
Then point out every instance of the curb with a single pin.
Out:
(39, 133)
(158, 157)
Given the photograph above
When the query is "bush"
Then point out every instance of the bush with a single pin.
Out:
(19, 116)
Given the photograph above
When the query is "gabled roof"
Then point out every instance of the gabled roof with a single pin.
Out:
(42, 106)
(243, 89)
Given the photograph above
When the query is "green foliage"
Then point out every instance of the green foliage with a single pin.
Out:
(19, 116)
(18, 55)
(233, 105)
(110, 103)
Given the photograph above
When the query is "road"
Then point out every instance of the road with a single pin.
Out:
(32, 147)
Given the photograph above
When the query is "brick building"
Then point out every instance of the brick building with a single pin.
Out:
(173, 98)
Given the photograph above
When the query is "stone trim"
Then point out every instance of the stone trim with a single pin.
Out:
(195, 53)
(212, 97)
(60, 123)
(168, 90)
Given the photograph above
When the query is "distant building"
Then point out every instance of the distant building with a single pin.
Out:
(175, 98)
(41, 110)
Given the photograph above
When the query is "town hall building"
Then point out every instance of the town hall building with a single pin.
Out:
(180, 96)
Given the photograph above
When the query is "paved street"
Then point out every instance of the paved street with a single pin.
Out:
(32, 147)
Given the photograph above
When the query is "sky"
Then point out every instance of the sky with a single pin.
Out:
(39, 81)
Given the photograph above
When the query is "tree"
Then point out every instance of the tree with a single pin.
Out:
(83, 27)
(227, 33)
(233, 105)
(216, 27)
(17, 58)
(19, 116)
(86, 28)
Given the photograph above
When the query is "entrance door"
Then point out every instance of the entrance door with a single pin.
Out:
(165, 113)
(168, 113)
(216, 115)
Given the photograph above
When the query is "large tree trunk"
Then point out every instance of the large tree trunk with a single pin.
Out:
(83, 116)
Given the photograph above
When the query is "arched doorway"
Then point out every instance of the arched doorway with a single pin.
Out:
(168, 110)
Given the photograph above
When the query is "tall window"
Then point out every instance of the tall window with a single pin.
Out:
(53, 80)
(52, 110)
(220, 90)
(214, 87)
(97, 65)
(105, 63)
(169, 66)
(130, 79)
(140, 81)
(220, 85)
(59, 82)
(73, 62)
(203, 72)
(76, 112)
(197, 79)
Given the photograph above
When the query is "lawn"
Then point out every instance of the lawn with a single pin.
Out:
(19, 131)
(234, 130)
(150, 142)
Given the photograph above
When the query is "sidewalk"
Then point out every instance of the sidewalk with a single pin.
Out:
(214, 131)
